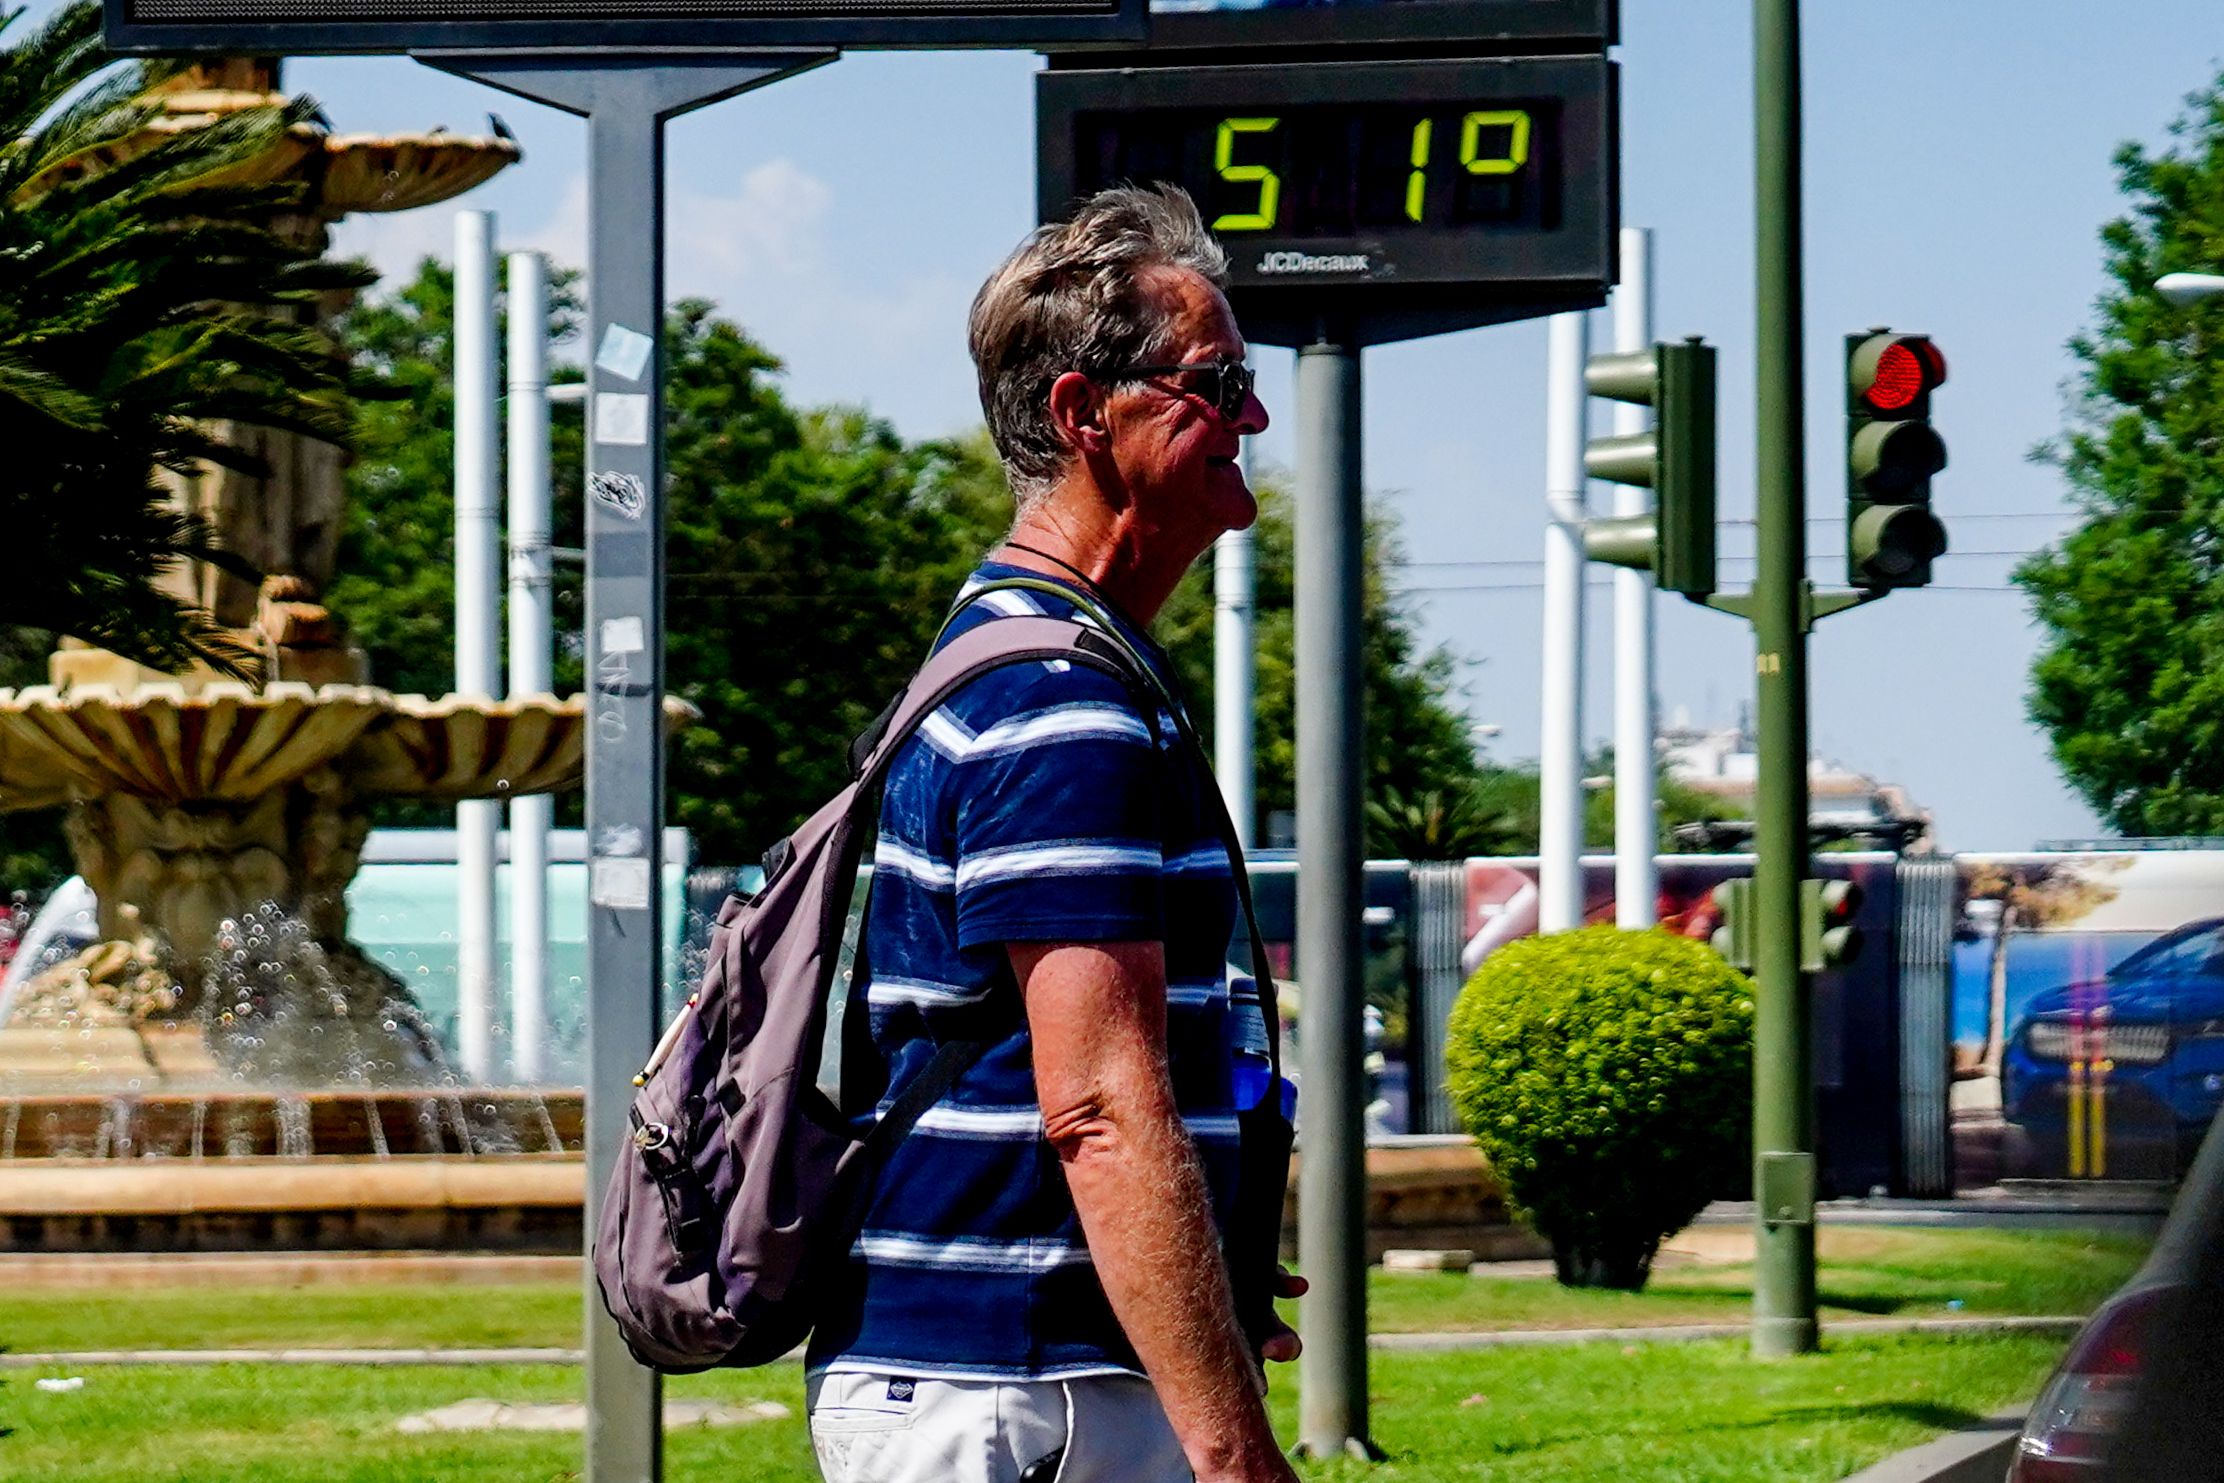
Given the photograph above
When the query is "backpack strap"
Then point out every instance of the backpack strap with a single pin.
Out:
(992, 646)
(1107, 639)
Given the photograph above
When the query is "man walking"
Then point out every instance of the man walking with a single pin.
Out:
(1038, 1292)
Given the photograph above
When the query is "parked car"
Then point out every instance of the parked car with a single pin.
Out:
(2137, 1398)
(2130, 1065)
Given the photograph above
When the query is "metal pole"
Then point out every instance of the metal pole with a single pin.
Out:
(1332, 1190)
(626, 102)
(478, 642)
(1636, 830)
(532, 664)
(1560, 745)
(1233, 676)
(1783, 1091)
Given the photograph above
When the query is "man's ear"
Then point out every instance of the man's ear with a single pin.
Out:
(1077, 411)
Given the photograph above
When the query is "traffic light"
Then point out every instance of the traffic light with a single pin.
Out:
(1675, 460)
(1827, 936)
(1734, 938)
(1891, 453)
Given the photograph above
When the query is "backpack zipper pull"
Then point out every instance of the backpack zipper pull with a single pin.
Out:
(669, 1039)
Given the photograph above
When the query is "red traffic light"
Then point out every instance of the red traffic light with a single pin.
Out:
(1900, 370)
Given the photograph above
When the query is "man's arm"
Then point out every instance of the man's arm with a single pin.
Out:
(1097, 1015)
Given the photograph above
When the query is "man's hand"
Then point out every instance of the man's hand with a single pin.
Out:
(1283, 1344)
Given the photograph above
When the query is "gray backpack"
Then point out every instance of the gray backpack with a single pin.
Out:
(746, 1178)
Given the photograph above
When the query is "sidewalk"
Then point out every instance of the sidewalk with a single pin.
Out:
(1480, 1339)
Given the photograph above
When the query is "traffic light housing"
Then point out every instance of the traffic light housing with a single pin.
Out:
(1674, 459)
(1827, 936)
(1734, 938)
(1891, 453)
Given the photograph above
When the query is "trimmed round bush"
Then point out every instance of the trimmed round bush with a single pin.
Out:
(1607, 1075)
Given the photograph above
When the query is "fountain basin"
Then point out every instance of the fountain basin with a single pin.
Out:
(393, 1122)
(521, 1202)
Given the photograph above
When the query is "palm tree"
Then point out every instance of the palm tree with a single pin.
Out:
(144, 296)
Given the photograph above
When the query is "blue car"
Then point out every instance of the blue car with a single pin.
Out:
(2119, 1077)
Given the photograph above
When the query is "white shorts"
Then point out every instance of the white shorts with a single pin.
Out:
(889, 1429)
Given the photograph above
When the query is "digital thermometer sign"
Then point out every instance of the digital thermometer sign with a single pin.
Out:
(1473, 190)
(1325, 171)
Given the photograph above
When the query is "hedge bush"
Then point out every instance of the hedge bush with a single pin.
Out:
(1607, 1075)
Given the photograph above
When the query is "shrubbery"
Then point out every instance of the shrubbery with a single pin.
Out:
(1607, 1075)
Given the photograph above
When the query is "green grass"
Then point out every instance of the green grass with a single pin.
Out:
(1866, 1271)
(1665, 1413)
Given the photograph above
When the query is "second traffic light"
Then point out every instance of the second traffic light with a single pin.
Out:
(1675, 460)
(1891, 453)
(1827, 935)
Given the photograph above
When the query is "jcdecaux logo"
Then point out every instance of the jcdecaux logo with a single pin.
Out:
(1316, 262)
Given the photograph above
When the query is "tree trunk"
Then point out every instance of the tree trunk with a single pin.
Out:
(1622, 1264)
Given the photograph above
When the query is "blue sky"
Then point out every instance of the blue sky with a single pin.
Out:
(1957, 163)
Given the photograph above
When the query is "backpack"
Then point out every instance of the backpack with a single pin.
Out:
(745, 1178)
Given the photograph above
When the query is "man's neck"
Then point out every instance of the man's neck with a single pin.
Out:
(1062, 537)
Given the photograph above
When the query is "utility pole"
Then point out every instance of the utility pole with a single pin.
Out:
(532, 659)
(1636, 827)
(1234, 674)
(626, 100)
(478, 643)
(1783, 1089)
(1560, 743)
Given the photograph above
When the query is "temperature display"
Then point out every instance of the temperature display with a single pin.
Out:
(1330, 170)
(1391, 198)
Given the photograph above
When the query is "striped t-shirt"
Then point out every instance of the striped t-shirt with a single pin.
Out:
(1043, 803)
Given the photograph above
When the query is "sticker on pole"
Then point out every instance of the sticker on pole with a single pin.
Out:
(624, 352)
(624, 635)
(624, 493)
(622, 419)
(622, 883)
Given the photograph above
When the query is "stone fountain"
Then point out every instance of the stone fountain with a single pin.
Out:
(217, 821)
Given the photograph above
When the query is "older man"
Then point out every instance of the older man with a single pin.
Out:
(1039, 1291)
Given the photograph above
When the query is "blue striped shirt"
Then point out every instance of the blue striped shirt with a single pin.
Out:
(1043, 803)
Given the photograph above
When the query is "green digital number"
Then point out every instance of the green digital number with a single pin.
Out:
(1471, 138)
(1269, 184)
(1416, 184)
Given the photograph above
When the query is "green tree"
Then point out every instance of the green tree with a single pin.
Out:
(143, 297)
(1421, 763)
(2129, 683)
(33, 856)
(810, 557)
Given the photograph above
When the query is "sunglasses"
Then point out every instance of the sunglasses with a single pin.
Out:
(1224, 384)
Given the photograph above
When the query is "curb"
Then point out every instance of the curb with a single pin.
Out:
(1976, 1454)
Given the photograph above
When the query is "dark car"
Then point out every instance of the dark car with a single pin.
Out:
(2138, 1397)
(2120, 1076)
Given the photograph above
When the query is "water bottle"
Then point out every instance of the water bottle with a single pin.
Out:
(1250, 1053)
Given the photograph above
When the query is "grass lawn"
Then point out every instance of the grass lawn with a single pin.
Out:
(1865, 1271)
(1666, 1413)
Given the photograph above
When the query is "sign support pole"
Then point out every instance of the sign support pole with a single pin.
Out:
(1783, 1080)
(1332, 1188)
(626, 102)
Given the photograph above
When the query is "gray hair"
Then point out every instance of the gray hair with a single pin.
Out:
(1070, 298)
